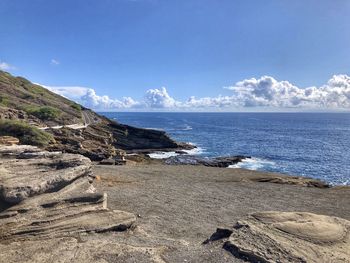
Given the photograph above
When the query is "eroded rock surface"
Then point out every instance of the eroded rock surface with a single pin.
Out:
(33, 173)
(53, 197)
(288, 237)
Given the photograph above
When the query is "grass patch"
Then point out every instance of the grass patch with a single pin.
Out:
(4, 101)
(44, 113)
(25, 133)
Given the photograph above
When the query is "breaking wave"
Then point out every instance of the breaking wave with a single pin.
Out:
(254, 164)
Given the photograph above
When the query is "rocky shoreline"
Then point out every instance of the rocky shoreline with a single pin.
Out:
(58, 207)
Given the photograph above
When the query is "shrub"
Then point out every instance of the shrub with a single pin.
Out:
(4, 101)
(44, 113)
(25, 133)
(76, 106)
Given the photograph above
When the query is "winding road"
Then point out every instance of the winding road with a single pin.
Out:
(88, 119)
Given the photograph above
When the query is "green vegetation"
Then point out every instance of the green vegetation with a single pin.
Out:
(35, 89)
(44, 113)
(25, 133)
(20, 94)
(4, 101)
(76, 106)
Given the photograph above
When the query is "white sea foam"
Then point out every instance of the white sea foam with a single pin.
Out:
(253, 164)
(187, 128)
(164, 155)
(195, 151)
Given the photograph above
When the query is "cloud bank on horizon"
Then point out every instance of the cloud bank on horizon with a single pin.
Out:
(265, 92)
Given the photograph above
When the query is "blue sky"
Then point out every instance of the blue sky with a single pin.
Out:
(133, 48)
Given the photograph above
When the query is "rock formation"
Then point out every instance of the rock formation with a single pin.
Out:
(50, 195)
(288, 237)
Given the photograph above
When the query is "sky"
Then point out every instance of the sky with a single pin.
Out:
(183, 55)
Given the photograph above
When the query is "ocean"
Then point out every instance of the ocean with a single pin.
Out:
(315, 145)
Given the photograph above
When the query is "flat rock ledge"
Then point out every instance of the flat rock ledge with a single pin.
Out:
(50, 195)
(287, 237)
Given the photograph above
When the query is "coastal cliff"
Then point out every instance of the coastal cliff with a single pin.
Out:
(73, 128)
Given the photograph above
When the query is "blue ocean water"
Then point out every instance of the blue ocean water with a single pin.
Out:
(309, 144)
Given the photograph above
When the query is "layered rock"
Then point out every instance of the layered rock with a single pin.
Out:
(8, 140)
(33, 173)
(51, 196)
(106, 139)
(288, 237)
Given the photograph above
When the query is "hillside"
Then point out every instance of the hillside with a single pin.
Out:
(77, 129)
(21, 99)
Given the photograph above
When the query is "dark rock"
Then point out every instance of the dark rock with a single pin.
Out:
(206, 161)
(108, 162)
(180, 152)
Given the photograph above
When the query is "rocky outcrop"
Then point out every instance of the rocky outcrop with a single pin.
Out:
(106, 139)
(34, 173)
(16, 114)
(288, 237)
(8, 140)
(50, 195)
(94, 141)
(292, 180)
(206, 161)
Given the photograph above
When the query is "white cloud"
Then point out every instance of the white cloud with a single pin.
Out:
(268, 92)
(54, 62)
(72, 92)
(159, 98)
(6, 66)
(92, 100)
(265, 92)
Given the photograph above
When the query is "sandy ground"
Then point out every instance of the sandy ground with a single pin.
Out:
(179, 207)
